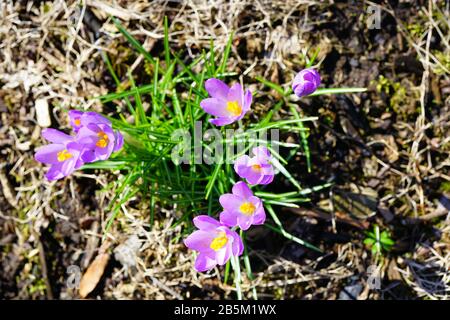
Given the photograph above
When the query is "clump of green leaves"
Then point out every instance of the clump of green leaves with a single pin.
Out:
(379, 241)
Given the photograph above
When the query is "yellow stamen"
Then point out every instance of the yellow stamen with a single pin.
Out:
(64, 155)
(102, 140)
(247, 208)
(233, 108)
(219, 242)
(256, 167)
(77, 122)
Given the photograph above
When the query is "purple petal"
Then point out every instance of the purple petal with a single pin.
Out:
(244, 222)
(217, 88)
(56, 136)
(68, 166)
(240, 165)
(222, 121)
(262, 153)
(88, 156)
(260, 216)
(119, 141)
(267, 179)
(215, 107)
(204, 263)
(228, 218)
(247, 100)
(253, 177)
(242, 190)
(54, 173)
(236, 94)
(206, 223)
(238, 245)
(223, 255)
(93, 118)
(199, 241)
(230, 202)
(48, 154)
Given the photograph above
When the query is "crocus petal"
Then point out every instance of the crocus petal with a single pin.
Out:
(260, 216)
(244, 222)
(56, 136)
(49, 154)
(222, 121)
(93, 118)
(199, 241)
(68, 166)
(253, 177)
(228, 218)
(237, 245)
(223, 255)
(88, 156)
(94, 127)
(240, 165)
(206, 223)
(204, 263)
(261, 153)
(247, 100)
(242, 190)
(267, 179)
(236, 94)
(215, 107)
(217, 88)
(230, 202)
(119, 141)
(54, 173)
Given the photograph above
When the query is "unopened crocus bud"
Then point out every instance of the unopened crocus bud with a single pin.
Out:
(306, 82)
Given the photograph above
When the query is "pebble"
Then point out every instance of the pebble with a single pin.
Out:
(42, 113)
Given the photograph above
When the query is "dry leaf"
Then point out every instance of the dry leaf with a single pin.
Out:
(93, 274)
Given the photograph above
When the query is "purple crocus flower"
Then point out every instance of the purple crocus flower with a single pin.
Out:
(63, 154)
(306, 82)
(99, 141)
(257, 169)
(227, 104)
(214, 242)
(241, 208)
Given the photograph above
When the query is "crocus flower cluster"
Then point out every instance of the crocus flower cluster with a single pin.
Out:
(241, 208)
(94, 140)
(217, 241)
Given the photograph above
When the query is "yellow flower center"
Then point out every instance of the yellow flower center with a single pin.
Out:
(233, 108)
(102, 140)
(77, 122)
(64, 155)
(219, 242)
(247, 208)
(256, 167)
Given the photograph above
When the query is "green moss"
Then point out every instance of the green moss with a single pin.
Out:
(444, 59)
(445, 186)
